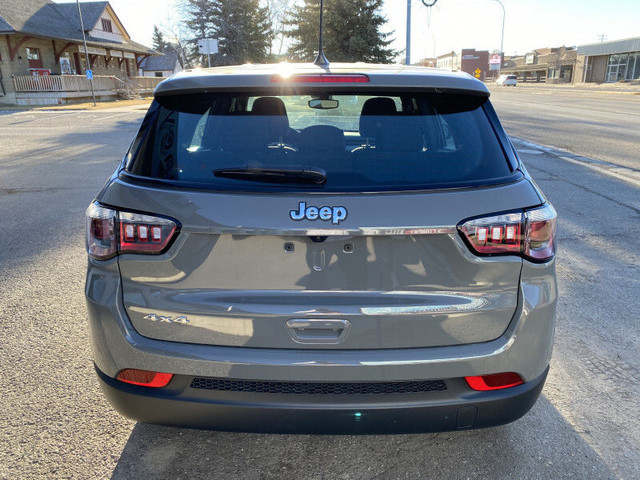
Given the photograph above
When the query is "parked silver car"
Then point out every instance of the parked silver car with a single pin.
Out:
(349, 249)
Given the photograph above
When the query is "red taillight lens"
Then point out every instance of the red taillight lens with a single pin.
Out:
(144, 233)
(530, 234)
(321, 78)
(110, 232)
(144, 378)
(495, 381)
(497, 234)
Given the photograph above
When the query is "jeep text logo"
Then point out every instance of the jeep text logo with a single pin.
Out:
(335, 214)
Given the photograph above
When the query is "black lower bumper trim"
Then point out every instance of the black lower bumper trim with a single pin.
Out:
(259, 412)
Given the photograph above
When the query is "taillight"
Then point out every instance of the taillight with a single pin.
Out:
(530, 233)
(144, 378)
(102, 237)
(495, 381)
(110, 232)
(321, 78)
(540, 235)
(144, 233)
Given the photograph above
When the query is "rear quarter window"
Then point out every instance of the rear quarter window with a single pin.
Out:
(364, 142)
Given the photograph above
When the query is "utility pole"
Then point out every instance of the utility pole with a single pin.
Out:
(86, 54)
(407, 60)
(426, 3)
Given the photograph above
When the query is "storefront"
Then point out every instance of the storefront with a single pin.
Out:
(608, 62)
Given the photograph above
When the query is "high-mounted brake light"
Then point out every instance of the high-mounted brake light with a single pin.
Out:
(496, 381)
(110, 232)
(530, 233)
(321, 78)
(144, 378)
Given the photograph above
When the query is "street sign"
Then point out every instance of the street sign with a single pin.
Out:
(477, 73)
(90, 74)
(207, 46)
(495, 59)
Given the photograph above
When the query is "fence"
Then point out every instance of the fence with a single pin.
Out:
(62, 83)
(80, 83)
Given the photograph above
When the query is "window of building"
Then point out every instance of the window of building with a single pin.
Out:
(623, 66)
(106, 25)
(158, 74)
(34, 58)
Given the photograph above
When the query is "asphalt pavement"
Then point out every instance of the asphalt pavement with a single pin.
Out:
(599, 125)
(55, 422)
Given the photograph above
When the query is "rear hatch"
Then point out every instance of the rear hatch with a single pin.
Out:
(301, 226)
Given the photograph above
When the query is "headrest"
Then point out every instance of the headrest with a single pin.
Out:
(322, 138)
(268, 106)
(277, 126)
(370, 126)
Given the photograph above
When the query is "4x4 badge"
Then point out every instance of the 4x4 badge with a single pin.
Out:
(163, 319)
(326, 213)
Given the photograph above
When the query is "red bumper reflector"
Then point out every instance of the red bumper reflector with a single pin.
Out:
(496, 381)
(144, 378)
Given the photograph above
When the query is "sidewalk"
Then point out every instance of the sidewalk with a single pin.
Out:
(77, 106)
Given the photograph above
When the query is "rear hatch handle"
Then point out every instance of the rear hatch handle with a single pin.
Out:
(318, 331)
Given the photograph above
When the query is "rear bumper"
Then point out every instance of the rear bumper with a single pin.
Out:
(456, 408)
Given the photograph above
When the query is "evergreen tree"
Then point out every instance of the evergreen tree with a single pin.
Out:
(243, 31)
(159, 44)
(352, 31)
(197, 17)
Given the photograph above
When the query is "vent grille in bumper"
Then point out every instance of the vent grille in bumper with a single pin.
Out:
(318, 388)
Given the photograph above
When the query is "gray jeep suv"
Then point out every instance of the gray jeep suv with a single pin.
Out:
(349, 249)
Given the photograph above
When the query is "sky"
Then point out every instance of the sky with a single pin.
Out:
(457, 24)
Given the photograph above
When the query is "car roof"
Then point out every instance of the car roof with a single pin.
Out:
(260, 76)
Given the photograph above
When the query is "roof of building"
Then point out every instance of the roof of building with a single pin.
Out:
(609, 48)
(262, 76)
(91, 12)
(160, 62)
(43, 18)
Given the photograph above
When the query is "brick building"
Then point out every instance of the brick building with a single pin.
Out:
(549, 65)
(469, 60)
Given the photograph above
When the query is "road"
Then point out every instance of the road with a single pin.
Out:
(55, 422)
(594, 124)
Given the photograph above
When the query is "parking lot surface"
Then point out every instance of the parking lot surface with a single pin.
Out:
(55, 422)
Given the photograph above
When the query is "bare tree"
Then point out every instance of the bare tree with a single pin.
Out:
(277, 10)
(178, 37)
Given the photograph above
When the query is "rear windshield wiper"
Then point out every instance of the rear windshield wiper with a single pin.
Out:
(315, 176)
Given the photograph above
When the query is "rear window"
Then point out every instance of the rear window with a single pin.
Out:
(349, 142)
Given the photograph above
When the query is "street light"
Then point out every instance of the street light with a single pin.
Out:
(501, 38)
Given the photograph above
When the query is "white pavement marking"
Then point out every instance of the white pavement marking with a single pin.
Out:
(116, 115)
(628, 175)
(531, 152)
(621, 173)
